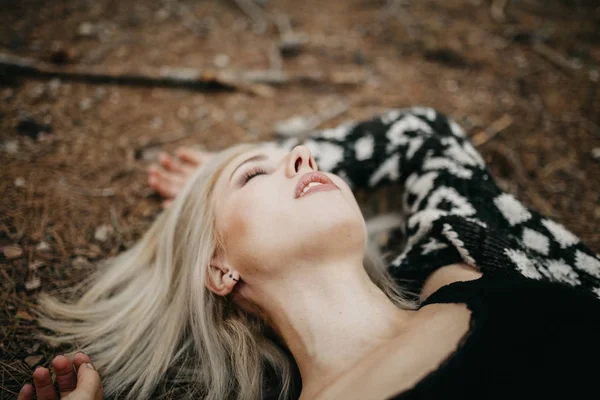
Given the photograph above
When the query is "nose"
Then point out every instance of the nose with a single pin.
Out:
(300, 157)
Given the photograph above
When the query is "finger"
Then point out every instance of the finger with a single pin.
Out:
(88, 381)
(44, 388)
(26, 392)
(80, 360)
(65, 375)
(167, 184)
(169, 163)
(191, 156)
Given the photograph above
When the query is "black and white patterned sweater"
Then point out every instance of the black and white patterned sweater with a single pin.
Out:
(454, 210)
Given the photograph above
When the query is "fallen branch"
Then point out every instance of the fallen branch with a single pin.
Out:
(108, 192)
(495, 128)
(255, 82)
(556, 58)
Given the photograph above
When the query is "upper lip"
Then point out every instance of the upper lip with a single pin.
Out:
(315, 176)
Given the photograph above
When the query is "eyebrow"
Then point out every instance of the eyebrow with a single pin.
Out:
(258, 157)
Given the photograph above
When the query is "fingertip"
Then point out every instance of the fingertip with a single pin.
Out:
(26, 392)
(60, 362)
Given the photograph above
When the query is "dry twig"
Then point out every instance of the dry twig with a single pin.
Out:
(495, 128)
(106, 192)
(556, 58)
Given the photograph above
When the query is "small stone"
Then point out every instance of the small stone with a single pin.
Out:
(37, 91)
(33, 361)
(596, 153)
(115, 98)
(183, 113)
(150, 154)
(103, 232)
(85, 104)
(156, 123)
(100, 93)
(161, 14)
(12, 251)
(80, 262)
(452, 86)
(11, 146)
(241, 117)
(33, 283)
(19, 182)
(86, 29)
(34, 266)
(200, 113)
(221, 60)
(42, 246)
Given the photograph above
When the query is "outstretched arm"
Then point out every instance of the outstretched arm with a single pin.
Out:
(454, 211)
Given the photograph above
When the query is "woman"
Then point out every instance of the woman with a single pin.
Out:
(253, 283)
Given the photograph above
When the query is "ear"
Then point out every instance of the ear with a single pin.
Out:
(220, 278)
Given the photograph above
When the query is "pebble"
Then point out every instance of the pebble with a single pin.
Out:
(33, 283)
(11, 146)
(12, 251)
(596, 153)
(156, 123)
(183, 113)
(80, 262)
(86, 29)
(103, 232)
(20, 182)
(100, 93)
(42, 246)
(452, 86)
(85, 104)
(221, 60)
(241, 117)
(161, 14)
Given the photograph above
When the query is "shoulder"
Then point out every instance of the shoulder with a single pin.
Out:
(446, 275)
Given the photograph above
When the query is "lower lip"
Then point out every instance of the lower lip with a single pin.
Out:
(320, 188)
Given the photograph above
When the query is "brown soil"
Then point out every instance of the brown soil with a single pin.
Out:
(87, 173)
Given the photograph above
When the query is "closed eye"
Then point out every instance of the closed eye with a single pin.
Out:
(252, 173)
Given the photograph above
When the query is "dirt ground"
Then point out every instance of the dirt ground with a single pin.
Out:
(523, 81)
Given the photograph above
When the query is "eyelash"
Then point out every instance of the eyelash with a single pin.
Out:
(252, 173)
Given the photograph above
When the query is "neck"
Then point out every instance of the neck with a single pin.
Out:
(330, 317)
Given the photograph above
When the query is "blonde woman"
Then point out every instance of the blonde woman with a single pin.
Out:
(255, 282)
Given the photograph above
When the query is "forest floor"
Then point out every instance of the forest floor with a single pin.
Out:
(522, 80)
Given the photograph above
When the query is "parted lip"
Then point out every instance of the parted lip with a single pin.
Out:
(315, 176)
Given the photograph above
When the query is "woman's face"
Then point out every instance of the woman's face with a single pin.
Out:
(268, 225)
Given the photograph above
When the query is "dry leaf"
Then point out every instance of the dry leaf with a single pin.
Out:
(32, 361)
(25, 315)
(12, 251)
(33, 283)
(35, 265)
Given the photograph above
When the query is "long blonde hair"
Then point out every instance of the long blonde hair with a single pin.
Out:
(147, 319)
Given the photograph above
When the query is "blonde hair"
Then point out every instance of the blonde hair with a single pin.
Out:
(147, 319)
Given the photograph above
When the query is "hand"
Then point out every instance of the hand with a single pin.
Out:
(83, 386)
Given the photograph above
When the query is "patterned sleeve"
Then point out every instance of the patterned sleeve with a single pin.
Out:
(454, 211)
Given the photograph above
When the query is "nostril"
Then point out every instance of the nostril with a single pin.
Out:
(298, 164)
